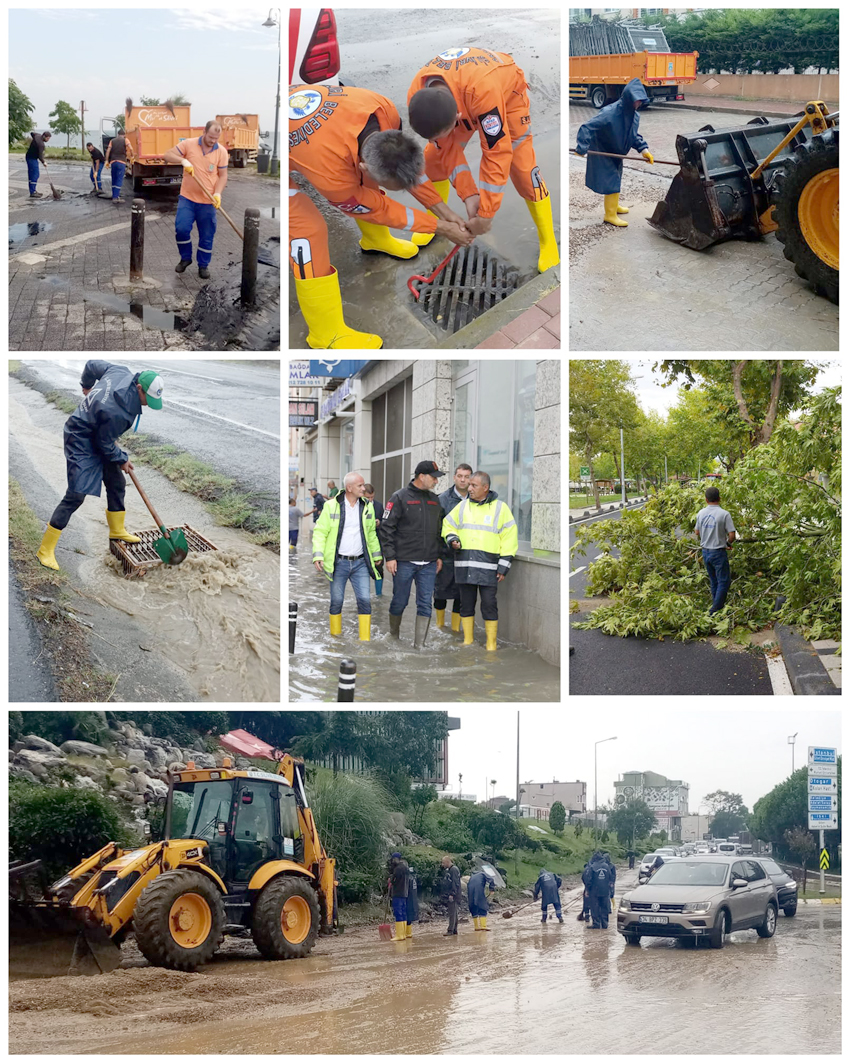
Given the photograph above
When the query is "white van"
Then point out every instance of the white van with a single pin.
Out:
(727, 848)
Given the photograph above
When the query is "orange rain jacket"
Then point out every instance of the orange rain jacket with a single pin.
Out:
(482, 82)
(324, 124)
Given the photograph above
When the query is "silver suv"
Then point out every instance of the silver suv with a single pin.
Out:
(701, 897)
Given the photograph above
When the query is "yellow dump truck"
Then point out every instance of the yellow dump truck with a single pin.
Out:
(240, 135)
(599, 79)
(151, 131)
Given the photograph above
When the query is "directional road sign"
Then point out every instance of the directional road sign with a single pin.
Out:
(823, 755)
(824, 860)
(823, 803)
(824, 769)
(823, 784)
(823, 821)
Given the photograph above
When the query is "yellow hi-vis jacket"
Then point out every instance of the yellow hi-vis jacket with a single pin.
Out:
(327, 534)
(488, 539)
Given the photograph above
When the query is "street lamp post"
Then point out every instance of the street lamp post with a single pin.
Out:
(595, 789)
(622, 468)
(792, 739)
(275, 165)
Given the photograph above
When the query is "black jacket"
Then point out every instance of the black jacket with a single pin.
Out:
(411, 524)
(450, 883)
(399, 878)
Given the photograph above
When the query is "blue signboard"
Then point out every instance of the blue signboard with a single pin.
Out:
(338, 367)
(822, 755)
(822, 803)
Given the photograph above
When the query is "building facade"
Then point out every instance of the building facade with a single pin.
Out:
(666, 798)
(499, 416)
(542, 795)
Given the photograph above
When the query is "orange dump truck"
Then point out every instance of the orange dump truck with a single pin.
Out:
(599, 79)
(151, 131)
(240, 134)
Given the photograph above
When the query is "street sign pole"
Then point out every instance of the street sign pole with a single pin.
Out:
(622, 469)
(822, 872)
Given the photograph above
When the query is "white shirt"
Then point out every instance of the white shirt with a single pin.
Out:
(351, 543)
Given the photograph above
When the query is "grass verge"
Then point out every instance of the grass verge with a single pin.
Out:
(14, 366)
(65, 643)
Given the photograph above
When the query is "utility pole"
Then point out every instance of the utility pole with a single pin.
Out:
(517, 765)
(622, 468)
(792, 739)
(83, 123)
(665, 468)
(595, 790)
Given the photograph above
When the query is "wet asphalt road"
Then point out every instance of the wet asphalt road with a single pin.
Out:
(382, 50)
(224, 413)
(30, 679)
(607, 664)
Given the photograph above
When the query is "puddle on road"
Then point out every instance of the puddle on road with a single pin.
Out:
(390, 670)
(148, 315)
(23, 230)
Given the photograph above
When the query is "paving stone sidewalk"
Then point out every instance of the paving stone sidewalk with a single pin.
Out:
(65, 279)
(539, 328)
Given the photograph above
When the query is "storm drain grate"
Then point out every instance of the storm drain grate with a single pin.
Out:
(473, 282)
(137, 558)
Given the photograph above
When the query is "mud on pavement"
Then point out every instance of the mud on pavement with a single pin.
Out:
(207, 630)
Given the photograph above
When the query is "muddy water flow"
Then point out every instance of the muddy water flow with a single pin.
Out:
(216, 616)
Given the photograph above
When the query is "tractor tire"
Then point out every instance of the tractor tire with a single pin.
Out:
(807, 212)
(179, 920)
(286, 919)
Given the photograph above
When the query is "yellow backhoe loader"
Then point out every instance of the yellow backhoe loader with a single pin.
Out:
(241, 852)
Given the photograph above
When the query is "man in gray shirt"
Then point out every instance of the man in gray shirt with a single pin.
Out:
(716, 533)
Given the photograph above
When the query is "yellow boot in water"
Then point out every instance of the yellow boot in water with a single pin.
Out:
(455, 621)
(410, 930)
(482, 923)
(422, 239)
(441, 617)
(336, 623)
(365, 621)
(612, 203)
(378, 239)
(475, 921)
(400, 931)
(491, 627)
(48, 545)
(541, 214)
(321, 304)
(115, 520)
(467, 623)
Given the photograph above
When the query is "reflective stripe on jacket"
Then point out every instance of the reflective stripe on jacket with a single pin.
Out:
(327, 534)
(488, 539)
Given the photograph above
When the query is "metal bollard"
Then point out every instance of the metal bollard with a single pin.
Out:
(347, 677)
(293, 620)
(250, 251)
(137, 240)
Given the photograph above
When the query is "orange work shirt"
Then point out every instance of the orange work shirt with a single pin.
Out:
(324, 124)
(481, 82)
(208, 165)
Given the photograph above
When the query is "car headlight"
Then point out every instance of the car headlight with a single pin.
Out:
(694, 907)
(625, 904)
(790, 886)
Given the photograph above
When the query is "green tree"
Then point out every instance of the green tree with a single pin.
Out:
(803, 846)
(150, 101)
(600, 401)
(421, 797)
(179, 99)
(497, 833)
(557, 817)
(64, 119)
(725, 824)
(725, 801)
(20, 112)
(631, 821)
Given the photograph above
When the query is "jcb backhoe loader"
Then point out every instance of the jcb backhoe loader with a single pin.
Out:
(241, 851)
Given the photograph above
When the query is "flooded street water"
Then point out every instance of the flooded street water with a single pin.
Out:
(523, 989)
(392, 670)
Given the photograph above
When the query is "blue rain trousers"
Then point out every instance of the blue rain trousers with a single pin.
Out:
(190, 213)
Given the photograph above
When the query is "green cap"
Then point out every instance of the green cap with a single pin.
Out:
(151, 384)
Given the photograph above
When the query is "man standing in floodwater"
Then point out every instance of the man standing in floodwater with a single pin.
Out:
(476, 893)
(113, 397)
(450, 891)
(546, 887)
(399, 885)
(204, 163)
(35, 155)
(295, 518)
(119, 152)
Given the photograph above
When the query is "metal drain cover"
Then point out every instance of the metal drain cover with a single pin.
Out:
(137, 558)
(473, 282)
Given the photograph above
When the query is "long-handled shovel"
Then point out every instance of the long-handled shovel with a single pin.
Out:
(173, 549)
(385, 930)
(632, 158)
(428, 280)
(56, 195)
(233, 225)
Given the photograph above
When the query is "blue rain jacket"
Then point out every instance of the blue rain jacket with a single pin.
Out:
(102, 417)
(476, 893)
(412, 898)
(597, 878)
(547, 887)
(614, 129)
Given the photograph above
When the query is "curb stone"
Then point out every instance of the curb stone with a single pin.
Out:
(805, 669)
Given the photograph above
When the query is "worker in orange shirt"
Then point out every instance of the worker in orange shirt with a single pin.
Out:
(464, 89)
(204, 163)
(347, 142)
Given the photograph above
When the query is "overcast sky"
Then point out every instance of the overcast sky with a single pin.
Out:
(745, 751)
(651, 396)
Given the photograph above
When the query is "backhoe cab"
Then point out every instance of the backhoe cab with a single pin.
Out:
(241, 851)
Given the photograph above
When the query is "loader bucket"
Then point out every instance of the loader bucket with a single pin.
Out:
(48, 942)
(713, 197)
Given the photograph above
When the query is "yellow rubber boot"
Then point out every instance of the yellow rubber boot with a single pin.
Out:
(336, 623)
(321, 304)
(117, 529)
(491, 627)
(541, 215)
(410, 930)
(612, 203)
(467, 623)
(365, 621)
(475, 921)
(421, 239)
(400, 931)
(482, 923)
(455, 621)
(48, 545)
(377, 239)
(441, 617)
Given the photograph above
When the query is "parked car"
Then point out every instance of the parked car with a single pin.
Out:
(786, 887)
(702, 847)
(648, 862)
(745, 849)
(701, 897)
(727, 849)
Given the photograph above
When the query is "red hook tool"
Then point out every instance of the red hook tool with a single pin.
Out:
(428, 280)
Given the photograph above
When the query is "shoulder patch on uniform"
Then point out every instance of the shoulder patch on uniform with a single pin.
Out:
(492, 126)
(453, 53)
(352, 205)
(387, 510)
(303, 103)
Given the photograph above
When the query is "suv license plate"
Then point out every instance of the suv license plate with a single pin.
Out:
(652, 919)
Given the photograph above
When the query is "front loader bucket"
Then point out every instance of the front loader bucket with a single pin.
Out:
(47, 942)
(690, 215)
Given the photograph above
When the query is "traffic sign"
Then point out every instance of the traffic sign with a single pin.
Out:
(823, 755)
(823, 784)
(824, 860)
(823, 821)
(823, 803)
(584, 472)
(824, 769)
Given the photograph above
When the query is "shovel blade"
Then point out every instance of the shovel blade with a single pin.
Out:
(173, 550)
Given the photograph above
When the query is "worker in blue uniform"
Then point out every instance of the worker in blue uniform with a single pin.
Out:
(615, 130)
(546, 887)
(476, 895)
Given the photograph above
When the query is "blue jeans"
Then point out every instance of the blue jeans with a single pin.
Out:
(425, 577)
(190, 213)
(118, 169)
(358, 572)
(400, 909)
(719, 576)
(95, 175)
(32, 173)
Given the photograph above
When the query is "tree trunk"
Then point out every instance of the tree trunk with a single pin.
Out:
(595, 486)
(804, 875)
